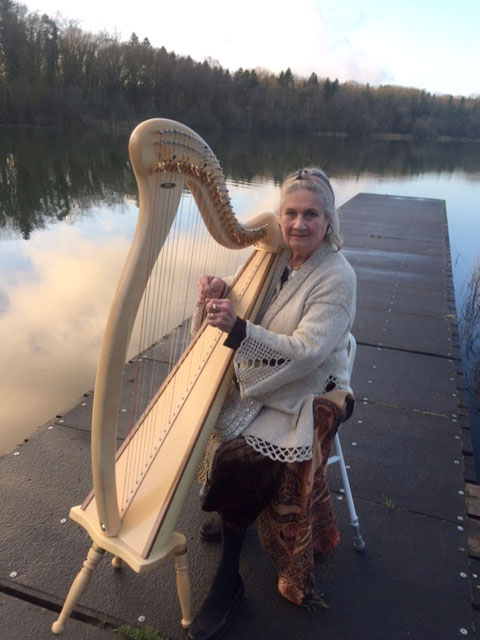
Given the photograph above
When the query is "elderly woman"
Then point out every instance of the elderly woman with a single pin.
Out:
(267, 458)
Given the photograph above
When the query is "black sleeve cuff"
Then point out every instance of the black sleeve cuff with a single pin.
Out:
(237, 334)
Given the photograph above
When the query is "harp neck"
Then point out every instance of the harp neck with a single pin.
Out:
(169, 148)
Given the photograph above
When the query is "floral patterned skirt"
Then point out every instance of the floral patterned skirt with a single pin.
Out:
(290, 502)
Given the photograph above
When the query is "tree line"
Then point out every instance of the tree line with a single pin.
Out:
(54, 73)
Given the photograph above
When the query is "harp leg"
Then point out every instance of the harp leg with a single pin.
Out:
(78, 588)
(116, 562)
(183, 586)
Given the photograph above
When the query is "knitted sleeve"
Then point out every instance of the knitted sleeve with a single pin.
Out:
(266, 360)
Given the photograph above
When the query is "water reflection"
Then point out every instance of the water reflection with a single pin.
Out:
(47, 176)
(248, 156)
(51, 326)
(73, 198)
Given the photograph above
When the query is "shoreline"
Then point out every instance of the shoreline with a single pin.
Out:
(127, 127)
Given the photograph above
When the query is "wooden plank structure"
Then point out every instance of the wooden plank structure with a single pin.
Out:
(407, 447)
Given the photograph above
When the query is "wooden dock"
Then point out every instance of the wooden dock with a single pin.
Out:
(407, 446)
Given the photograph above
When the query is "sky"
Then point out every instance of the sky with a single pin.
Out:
(426, 44)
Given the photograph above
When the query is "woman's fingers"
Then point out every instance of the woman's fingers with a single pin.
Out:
(216, 287)
(209, 287)
(221, 314)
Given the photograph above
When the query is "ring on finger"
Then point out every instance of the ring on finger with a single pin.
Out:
(214, 306)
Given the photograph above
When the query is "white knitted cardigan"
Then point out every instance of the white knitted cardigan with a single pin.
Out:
(296, 352)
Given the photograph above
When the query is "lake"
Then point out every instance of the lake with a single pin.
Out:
(68, 211)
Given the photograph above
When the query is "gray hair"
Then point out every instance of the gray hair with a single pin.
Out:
(316, 180)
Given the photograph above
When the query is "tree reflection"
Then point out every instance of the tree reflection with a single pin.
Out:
(244, 156)
(48, 175)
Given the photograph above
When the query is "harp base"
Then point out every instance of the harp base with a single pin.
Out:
(176, 547)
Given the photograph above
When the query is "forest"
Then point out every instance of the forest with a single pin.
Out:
(52, 73)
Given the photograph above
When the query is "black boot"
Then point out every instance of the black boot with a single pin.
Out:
(226, 590)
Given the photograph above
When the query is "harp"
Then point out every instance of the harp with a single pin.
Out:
(138, 491)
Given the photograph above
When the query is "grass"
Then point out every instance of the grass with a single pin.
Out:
(470, 328)
(144, 633)
(388, 502)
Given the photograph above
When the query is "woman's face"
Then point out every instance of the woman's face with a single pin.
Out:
(303, 223)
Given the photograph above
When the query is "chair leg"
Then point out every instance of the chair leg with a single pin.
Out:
(183, 586)
(358, 541)
(78, 588)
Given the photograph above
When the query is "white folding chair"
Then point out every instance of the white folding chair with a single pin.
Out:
(337, 457)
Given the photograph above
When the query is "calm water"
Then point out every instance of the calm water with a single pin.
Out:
(68, 213)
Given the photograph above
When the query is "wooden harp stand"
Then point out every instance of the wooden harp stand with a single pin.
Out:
(138, 491)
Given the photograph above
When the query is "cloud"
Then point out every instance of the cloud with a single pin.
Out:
(275, 36)
(369, 41)
(352, 63)
(307, 36)
(53, 325)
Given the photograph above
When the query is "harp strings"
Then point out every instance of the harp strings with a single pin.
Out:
(164, 321)
(134, 456)
(150, 319)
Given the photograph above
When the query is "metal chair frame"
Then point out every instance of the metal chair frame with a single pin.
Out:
(337, 458)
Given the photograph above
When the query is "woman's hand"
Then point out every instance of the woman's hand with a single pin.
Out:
(209, 287)
(220, 313)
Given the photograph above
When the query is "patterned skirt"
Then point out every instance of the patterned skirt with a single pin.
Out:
(290, 502)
